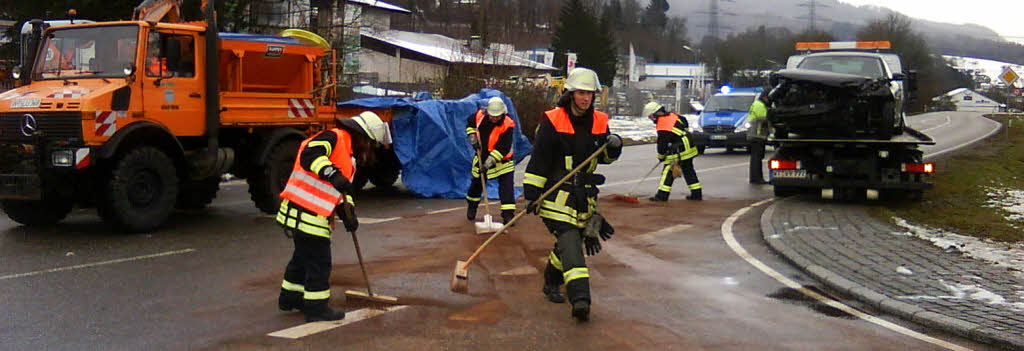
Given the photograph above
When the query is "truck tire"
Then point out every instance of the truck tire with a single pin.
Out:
(196, 194)
(360, 179)
(37, 213)
(141, 190)
(266, 184)
(886, 130)
(385, 173)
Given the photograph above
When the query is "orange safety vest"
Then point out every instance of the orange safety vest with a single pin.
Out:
(560, 120)
(667, 123)
(306, 189)
(496, 133)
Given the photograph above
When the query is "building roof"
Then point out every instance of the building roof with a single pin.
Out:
(380, 5)
(451, 50)
(673, 70)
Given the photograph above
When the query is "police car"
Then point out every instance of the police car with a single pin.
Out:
(723, 122)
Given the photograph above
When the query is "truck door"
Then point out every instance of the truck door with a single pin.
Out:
(174, 91)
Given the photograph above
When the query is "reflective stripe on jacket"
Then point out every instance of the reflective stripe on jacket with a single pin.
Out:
(671, 123)
(306, 189)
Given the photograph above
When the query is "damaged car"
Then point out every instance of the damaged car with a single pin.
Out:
(838, 95)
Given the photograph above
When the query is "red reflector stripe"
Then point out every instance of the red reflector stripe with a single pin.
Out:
(918, 167)
(783, 164)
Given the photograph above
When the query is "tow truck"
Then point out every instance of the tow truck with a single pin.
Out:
(837, 114)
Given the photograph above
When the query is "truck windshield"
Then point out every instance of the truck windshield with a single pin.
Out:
(730, 103)
(856, 65)
(91, 52)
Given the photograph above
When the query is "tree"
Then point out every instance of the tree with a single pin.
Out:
(578, 31)
(654, 15)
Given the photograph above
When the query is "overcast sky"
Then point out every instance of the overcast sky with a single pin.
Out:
(1006, 17)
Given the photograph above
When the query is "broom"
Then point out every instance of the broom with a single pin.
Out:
(460, 276)
(488, 225)
(629, 197)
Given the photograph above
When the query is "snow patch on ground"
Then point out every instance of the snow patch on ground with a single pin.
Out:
(969, 292)
(1010, 201)
(634, 128)
(997, 253)
(904, 270)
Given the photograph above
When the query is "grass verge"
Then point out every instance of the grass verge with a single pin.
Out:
(959, 201)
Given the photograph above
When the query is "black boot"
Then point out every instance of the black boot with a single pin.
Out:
(318, 311)
(289, 300)
(660, 196)
(695, 195)
(553, 293)
(506, 216)
(471, 211)
(581, 310)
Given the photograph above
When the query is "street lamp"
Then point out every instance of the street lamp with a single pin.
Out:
(692, 50)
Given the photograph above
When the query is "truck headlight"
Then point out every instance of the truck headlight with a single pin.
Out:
(63, 158)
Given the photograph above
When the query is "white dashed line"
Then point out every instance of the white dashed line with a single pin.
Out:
(317, 327)
(88, 265)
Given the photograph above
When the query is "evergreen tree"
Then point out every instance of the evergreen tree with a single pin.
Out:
(654, 15)
(578, 31)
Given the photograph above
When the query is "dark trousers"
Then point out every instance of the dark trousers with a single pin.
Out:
(689, 174)
(566, 262)
(310, 267)
(756, 155)
(506, 191)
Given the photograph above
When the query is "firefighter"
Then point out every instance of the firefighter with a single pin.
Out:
(566, 135)
(675, 149)
(318, 187)
(756, 135)
(495, 126)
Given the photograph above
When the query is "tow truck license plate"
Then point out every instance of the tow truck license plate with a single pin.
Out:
(718, 137)
(790, 173)
(25, 103)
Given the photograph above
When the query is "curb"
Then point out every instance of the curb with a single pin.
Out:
(878, 300)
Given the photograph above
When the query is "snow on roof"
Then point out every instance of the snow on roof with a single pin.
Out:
(380, 4)
(452, 50)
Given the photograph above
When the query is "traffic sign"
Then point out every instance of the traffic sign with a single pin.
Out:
(1009, 76)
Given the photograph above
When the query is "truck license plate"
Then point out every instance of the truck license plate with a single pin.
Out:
(25, 103)
(718, 137)
(790, 173)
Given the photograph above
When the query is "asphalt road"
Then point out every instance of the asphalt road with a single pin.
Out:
(667, 280)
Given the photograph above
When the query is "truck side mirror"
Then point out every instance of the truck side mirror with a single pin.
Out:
(899, 76)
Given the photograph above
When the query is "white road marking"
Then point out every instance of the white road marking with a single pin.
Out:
(947, 122)
(995, 129)
(730, 239)
(670, 230)
(369, 220)
(88, 265)
(317, 327)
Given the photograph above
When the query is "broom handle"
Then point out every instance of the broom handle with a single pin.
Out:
(359, 255)
(630, 192)
(552, 189)
(483, 180)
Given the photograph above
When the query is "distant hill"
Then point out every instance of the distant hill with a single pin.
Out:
(842, 19)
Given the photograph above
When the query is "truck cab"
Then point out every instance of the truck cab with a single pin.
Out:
(723, 121)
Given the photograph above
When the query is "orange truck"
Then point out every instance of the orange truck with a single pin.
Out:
(119, 116)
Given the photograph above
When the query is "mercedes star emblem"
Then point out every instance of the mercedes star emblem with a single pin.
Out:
(28, 125)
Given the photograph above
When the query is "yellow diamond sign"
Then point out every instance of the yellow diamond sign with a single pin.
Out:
(1009, 76)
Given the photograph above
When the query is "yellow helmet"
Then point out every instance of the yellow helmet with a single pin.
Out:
(651, 108)
(582, 79)
(374, 127)
(496, 107)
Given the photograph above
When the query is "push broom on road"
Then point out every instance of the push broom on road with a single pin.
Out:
(460, 276)
(488, 225)
(629, 196)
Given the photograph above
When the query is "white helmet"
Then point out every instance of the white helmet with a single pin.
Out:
(582, 79)
(374, 127)
(496, 107)
(651, 108)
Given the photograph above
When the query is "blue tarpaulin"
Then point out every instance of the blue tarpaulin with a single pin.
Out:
(430, 141)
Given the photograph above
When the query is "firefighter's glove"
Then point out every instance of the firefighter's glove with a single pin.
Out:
(340, 183)
(597, 226)
(533, 207)
(606, 230)
(489, 163)
(347, 212)
(475, 141)
(592, 245)
(614, 143)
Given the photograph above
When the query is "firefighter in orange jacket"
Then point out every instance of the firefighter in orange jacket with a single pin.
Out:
(496, 128)
(317, 188)
(675, 149)
(567, 135)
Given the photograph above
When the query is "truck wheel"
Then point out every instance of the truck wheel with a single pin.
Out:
(266, 185)
(384, 174)
(360, 179)
(37, 213)
(140, 191)
(886, 130)
(196, 194)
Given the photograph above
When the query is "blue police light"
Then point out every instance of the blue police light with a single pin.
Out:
(725, 89)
